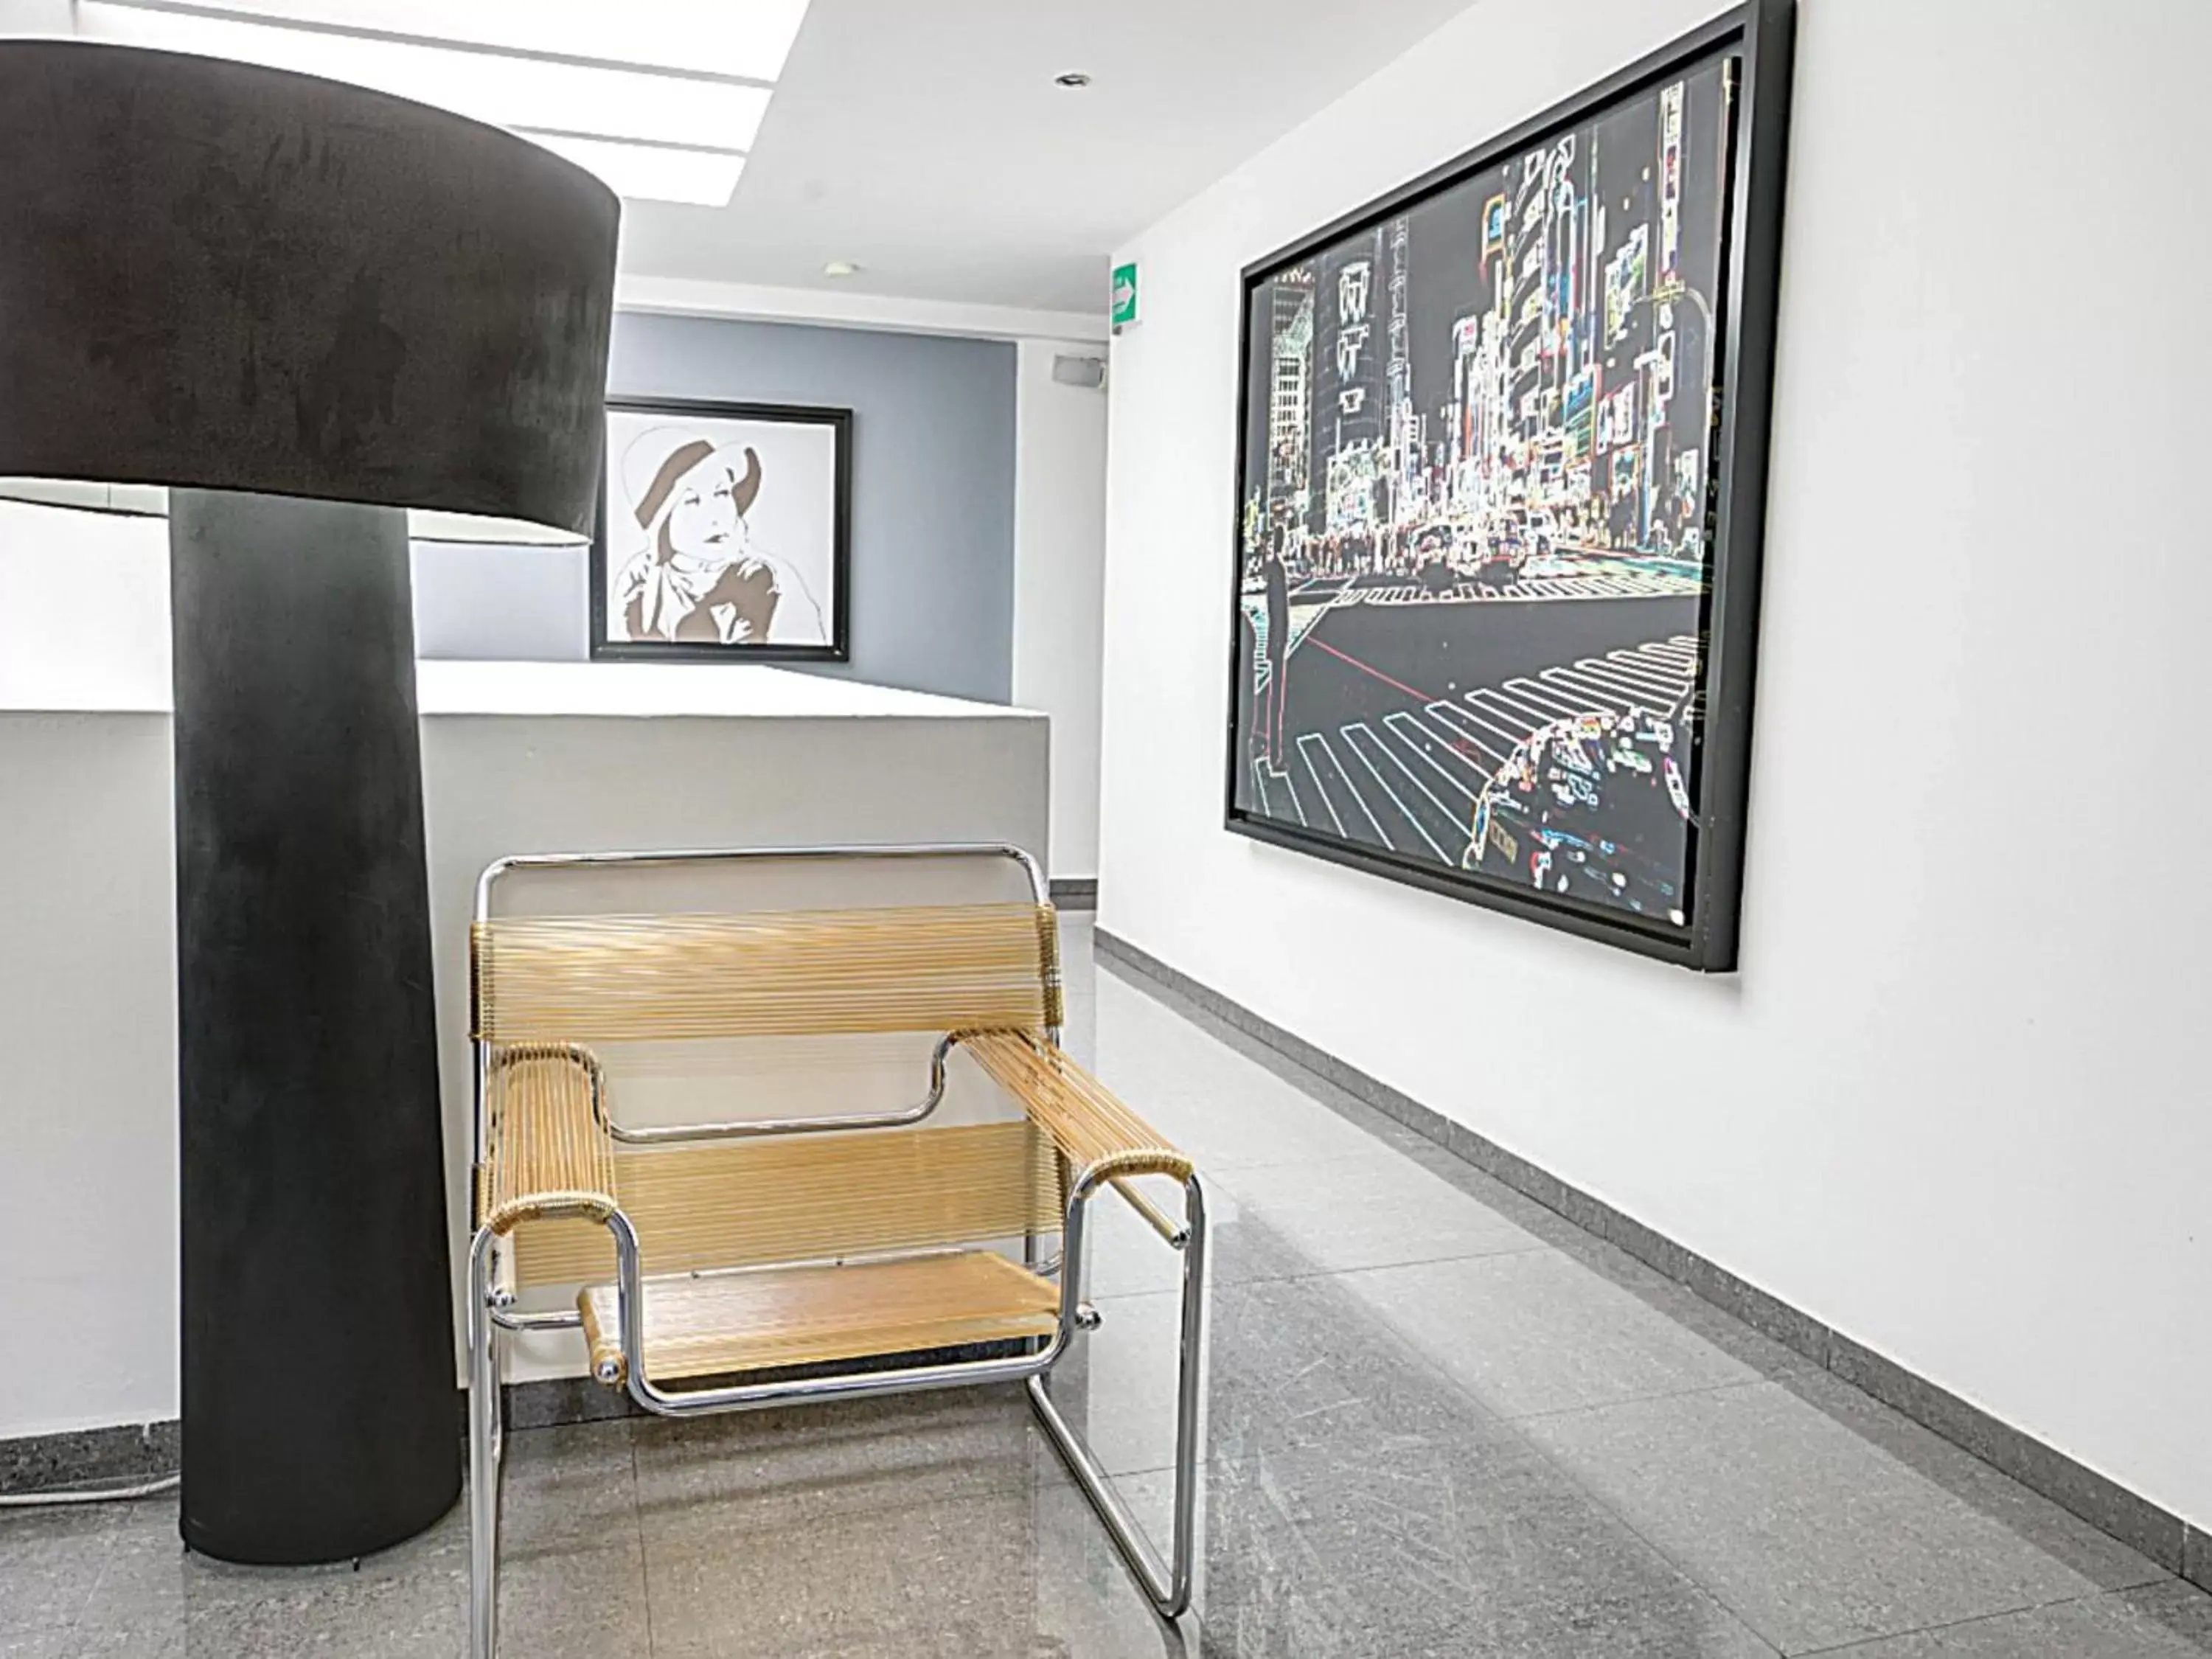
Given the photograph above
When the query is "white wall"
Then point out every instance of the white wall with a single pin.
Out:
(87, 942)
(84, 610)
(89, 1095)
(1952, 1104)
(1059, 547)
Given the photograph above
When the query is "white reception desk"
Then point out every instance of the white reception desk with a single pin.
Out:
(516, 757)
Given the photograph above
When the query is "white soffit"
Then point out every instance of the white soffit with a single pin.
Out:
(152, 502)
(661, 99)
(747, 39)
(649, 173)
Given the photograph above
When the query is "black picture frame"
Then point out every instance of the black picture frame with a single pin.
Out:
(838, 647)
(1760, 33)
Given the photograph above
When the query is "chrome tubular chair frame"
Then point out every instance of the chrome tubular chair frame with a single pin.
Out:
(1167, 1585)
(735, 1128)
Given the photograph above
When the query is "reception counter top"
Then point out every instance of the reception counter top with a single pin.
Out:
(691, 690)
(616, 691)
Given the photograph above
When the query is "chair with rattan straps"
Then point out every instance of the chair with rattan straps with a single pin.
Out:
(753, 1261)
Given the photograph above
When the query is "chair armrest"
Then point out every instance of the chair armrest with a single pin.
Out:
(547, 1149)
(1102, 1137)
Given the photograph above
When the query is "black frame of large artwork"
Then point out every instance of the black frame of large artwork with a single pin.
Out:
(1762, 33)
(839, 649)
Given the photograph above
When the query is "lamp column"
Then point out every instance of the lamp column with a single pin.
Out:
(303, 307)
(317, 1310)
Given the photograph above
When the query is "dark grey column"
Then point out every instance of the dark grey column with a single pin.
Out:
(318, 1334)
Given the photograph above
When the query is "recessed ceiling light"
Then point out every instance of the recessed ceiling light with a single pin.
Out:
(1072, 80)
(840, 268)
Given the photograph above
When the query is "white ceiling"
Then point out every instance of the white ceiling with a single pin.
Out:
(925, 141)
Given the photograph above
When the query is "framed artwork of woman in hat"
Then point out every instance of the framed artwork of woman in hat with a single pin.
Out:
(723, 533)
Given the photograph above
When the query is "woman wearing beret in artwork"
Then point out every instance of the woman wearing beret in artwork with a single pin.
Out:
(699, 578)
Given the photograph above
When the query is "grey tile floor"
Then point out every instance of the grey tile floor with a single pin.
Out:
(1442, 1421)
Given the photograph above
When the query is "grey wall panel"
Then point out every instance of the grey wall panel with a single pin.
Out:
(932, 502)
(482, 603)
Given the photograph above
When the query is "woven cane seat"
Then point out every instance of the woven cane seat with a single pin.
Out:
(754, 1321)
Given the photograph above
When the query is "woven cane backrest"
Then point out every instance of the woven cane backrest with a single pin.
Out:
(641, 978)
(810, 1198)
(764, 1002)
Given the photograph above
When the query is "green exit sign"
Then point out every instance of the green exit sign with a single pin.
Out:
(1125, 296)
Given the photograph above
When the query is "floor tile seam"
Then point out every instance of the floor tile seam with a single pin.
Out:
(1308, 1086)
(1690, 1572)
(1420, 1365)
(885, 1504)
(1512, 1429)
(1381, 1156)
(1377, 1145)
(644, 1556)
(1113, 1475)
(2159, 1576)
(1233, 1038)
(1016, 1482)
(1562, 1413)
(1858, 1644)
(1705, 1587)
(9, 1632)
(1696, 1582)
(2154, 1573)
(82, 1619)
(1569, 1251)
(1372, 1153)
(1311, 1273)
(1050, 1475)
(629, 1482)
(1535, 1247)
(796, 1450)
(1606, 1506)
(1410, 1358)
(1216, 1171)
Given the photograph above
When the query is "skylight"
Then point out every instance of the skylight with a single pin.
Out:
(661, 99)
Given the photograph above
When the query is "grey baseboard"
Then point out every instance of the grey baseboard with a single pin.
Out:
(1071, 894)
(84, 1457)
(554, 1402)
(2165, 1537)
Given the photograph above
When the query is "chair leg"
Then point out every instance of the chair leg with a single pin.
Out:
(1170, 1588)
(486, 1431)
(1189, 1381)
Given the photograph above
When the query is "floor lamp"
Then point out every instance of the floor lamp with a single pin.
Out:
(305, 307)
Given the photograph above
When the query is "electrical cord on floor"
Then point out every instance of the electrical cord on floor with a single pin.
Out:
(39, 1500)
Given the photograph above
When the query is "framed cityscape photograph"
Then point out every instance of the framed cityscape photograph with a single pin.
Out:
(724, 533)
(1502, 467)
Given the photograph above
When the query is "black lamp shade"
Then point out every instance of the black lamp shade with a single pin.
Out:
(217, 276)
(304, 306)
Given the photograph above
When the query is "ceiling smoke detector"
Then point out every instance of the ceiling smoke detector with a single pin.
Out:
(840, 268)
